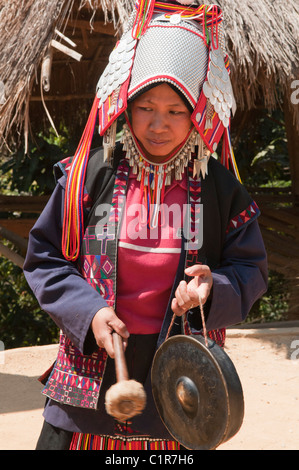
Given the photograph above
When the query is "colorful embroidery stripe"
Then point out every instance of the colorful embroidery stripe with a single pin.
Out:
(82, 441)
(249, 213)
(76, 379)
(218, 336)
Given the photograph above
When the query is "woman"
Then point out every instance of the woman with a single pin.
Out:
(161, 122)
(163, 233)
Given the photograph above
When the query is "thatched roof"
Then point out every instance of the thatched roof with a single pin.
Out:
(26, 29)
(262, 40)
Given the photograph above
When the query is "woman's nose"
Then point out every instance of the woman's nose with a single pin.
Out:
(158, 122)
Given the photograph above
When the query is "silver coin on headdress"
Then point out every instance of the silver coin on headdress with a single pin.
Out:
(218, 88)
(118, 68)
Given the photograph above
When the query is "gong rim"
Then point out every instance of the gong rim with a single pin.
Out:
(212, 409)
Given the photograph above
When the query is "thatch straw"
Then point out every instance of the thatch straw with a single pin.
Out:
(262, 39)
(26, 28)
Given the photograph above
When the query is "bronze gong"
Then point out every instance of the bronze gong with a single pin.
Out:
(197, 392)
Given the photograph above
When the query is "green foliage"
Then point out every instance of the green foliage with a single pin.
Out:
(22, 322)
(33, 173)
(262, 153)
(263, 161)
(273, 306)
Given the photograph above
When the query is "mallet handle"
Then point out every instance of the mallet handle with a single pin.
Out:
(119, 358)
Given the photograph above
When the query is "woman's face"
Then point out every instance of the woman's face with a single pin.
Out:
(160, 121)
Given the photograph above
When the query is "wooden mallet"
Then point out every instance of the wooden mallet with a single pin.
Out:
(126, 398)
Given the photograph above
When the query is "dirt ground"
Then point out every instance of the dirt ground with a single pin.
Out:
(266, 359)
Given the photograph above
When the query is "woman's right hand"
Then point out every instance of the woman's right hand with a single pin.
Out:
(104, 323)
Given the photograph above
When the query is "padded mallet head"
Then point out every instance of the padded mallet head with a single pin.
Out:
(125, 399)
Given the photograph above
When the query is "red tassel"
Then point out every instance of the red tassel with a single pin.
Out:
(73, 226)
(145, 9)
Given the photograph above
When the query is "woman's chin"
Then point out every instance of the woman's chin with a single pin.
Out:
(158, 153)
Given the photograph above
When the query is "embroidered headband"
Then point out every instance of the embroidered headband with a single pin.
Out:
(176, 43)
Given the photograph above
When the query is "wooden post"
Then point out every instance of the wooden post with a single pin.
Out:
(292, 133)
(46, 69)
(11, 255)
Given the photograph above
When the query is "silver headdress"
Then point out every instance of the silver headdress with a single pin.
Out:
(176, 42)
(181, 45)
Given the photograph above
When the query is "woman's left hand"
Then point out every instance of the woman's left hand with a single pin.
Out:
(189, 295)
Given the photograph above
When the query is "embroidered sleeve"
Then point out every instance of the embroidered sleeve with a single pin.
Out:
(250, 213)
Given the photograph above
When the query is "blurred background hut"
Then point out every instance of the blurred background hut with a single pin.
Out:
(53, 53)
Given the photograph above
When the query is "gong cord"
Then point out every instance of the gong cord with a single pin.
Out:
(202, 320)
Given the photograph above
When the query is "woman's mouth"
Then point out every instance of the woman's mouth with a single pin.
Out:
(158, 143)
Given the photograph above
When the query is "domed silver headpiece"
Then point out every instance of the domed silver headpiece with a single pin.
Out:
(177, 42)
(179, 45)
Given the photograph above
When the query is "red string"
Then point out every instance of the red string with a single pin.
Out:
(214, 26)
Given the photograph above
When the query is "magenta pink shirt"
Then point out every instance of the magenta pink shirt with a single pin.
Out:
(148, 259)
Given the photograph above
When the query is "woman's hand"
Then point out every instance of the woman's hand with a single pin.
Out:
(189, 295)
(104, 323)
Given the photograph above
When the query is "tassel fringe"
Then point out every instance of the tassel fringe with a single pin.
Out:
(73, 223)
(227, 155)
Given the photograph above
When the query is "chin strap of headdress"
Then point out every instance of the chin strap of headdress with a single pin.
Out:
(211, 115)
